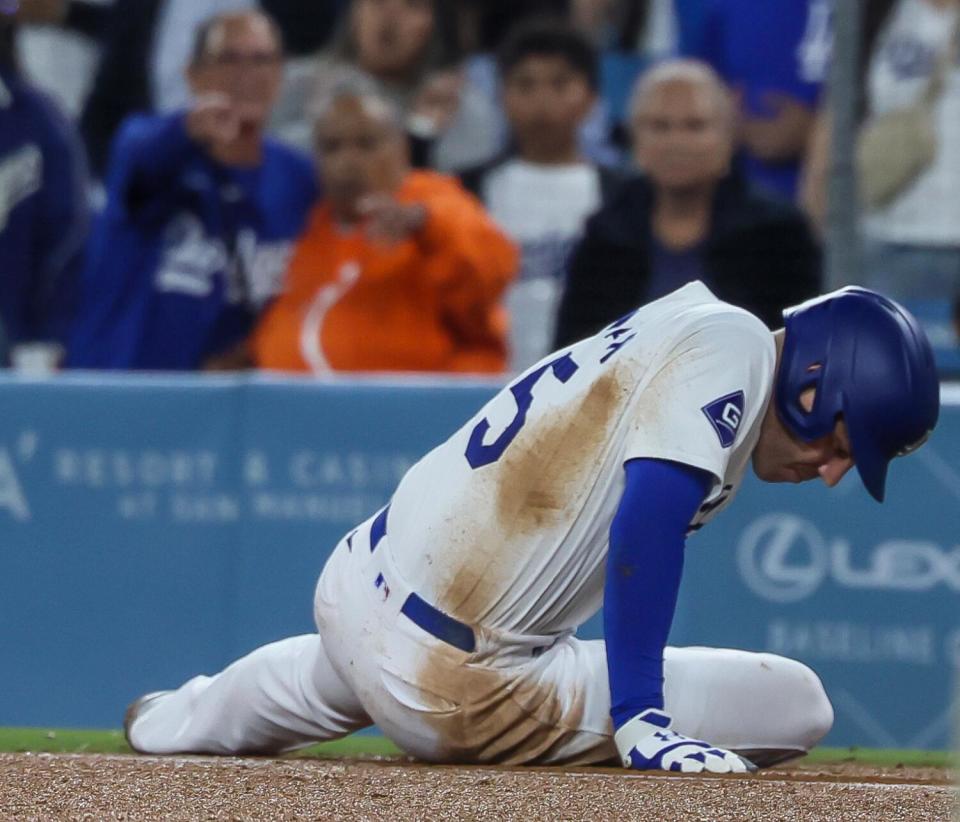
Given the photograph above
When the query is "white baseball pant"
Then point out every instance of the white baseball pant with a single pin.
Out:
(511, 699)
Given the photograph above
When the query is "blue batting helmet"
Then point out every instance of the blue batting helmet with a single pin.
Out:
(870, 363)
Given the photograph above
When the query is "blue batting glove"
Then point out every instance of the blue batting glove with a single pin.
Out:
(646, 743)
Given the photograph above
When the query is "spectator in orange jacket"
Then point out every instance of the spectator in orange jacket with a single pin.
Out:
(397, 270)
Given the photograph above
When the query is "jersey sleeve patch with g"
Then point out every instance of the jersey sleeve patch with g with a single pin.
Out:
(725, 414)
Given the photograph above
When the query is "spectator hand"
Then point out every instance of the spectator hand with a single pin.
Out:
(213, 120)
(646, 743)
(592, 17)
(37, 357)
(782, 136)
(388, 220)
(436, 103)
(41, 12)
(236, 358)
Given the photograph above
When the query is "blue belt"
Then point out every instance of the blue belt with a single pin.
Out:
(436, 622)
(420, 612)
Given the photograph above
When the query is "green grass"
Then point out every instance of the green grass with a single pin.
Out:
(15, 740)
(882, 757)
(43, 740)
(80, 741)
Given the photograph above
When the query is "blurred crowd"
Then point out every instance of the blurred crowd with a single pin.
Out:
(445, 185)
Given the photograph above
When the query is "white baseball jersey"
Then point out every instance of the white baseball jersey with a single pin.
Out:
(506, 524)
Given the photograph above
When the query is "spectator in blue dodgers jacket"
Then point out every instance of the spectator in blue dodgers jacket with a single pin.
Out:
(43, 208)
(691, 216)
(201, 215)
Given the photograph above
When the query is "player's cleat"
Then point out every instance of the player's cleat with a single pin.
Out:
(768, 757)
(646, 743)
(133, 712)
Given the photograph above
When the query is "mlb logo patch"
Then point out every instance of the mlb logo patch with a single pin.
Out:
(725, 414)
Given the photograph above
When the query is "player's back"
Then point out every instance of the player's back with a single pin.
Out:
(506, 523)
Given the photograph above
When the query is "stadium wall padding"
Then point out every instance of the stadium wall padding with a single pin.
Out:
(156, 527)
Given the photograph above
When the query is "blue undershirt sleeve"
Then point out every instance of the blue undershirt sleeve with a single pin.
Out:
(644, 566)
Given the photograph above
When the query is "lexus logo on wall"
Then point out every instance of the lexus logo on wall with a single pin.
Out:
(785, 558)
(782, 558)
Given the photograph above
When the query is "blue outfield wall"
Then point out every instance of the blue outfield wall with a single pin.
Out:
(152, 528)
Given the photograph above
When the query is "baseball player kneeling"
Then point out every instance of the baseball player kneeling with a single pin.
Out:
(448, 617)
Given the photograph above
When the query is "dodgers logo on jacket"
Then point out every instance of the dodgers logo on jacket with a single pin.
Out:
(725, 414)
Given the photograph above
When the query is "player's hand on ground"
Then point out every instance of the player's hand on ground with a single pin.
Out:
(646, 743)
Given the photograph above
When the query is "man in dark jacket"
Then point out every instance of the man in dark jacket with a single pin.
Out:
(690, 217)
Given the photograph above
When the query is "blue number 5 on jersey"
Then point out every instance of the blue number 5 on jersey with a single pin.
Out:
(479, 454)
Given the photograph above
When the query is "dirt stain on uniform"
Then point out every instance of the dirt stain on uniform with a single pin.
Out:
(539, 479)
(544, 474)
(505, 716)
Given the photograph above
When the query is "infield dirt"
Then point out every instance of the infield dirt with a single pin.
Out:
(77, 786)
